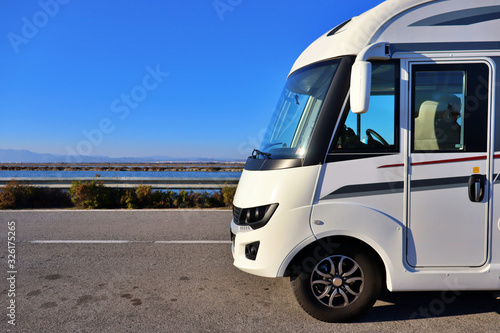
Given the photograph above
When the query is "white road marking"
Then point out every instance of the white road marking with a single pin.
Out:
(193, 242)
(128, 242)
(124, 210)
(80, 242)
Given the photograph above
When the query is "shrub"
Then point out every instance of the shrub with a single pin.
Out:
(8, 196)
(181, 199)
(143, 194)
(228, 195)
(194, 199)
(163, 199)
(41, 197)
(93, 194)
(129, 200)
(205, 200)
(216, 199)
(17, 196)
(85, 194)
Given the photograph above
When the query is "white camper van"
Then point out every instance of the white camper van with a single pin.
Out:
(380, 164)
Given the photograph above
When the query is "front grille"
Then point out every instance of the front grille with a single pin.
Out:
(236, 214)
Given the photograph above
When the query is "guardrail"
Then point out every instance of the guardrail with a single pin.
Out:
(129, 182)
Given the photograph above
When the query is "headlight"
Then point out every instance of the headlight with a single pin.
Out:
(255, 217)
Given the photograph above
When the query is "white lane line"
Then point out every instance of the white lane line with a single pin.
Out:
(128, 242)
(80, 242)
(193, 242)
(123, 210)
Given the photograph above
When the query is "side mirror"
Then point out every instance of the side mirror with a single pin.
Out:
(361, 75)
(361, 81)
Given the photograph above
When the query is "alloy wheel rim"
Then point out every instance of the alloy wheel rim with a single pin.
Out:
(337, 281)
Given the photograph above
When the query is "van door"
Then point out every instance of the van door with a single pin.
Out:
(449, 164)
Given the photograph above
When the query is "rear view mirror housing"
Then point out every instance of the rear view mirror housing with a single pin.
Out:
(361, 81)
(361, 75)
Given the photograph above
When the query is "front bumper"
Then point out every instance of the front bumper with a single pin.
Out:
(284, 234)
(275, 244)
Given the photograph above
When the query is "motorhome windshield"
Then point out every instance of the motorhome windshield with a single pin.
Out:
(294, 118)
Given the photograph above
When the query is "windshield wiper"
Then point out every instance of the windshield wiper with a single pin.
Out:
(274, 144)
(257, 152)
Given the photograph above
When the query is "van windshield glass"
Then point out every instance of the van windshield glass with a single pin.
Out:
(295, 115)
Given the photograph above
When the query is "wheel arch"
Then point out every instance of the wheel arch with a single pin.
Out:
(314, 249)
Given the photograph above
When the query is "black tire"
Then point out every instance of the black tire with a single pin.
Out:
(340, 294)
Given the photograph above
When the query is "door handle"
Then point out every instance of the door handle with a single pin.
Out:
(476, 187)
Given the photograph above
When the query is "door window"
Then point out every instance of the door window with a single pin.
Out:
(449, 108)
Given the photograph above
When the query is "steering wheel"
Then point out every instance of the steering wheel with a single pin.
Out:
(371, 133)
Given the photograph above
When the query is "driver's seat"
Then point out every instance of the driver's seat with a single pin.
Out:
(425, 127)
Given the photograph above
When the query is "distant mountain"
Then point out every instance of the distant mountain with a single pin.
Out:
(26, 156)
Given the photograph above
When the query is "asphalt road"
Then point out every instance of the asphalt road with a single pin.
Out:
(171, 271)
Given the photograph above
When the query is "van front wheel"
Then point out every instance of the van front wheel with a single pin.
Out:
(339, 286)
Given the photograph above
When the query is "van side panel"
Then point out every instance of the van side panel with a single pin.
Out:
(360, 199)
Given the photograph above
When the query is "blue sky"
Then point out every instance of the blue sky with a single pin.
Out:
(195, 78)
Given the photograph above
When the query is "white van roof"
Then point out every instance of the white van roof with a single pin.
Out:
(407, 22)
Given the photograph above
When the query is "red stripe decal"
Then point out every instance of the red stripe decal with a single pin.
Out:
(391, 166)
(454, 160)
